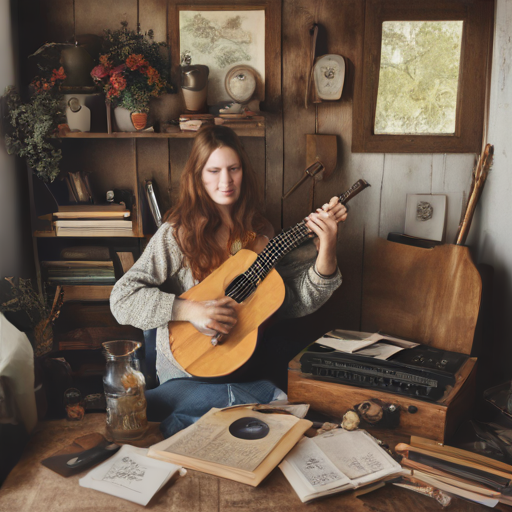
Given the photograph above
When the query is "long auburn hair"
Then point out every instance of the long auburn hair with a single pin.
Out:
(196, 218)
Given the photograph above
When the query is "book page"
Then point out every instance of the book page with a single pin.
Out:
(315, 468)
(357, 455)
(209, 438)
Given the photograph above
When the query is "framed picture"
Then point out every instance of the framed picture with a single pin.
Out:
(222, 36)
(425, 216)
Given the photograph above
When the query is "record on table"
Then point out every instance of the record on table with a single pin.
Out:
(249, 428)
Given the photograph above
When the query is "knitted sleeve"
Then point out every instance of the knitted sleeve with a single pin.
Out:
(136, 298)
(306, 290)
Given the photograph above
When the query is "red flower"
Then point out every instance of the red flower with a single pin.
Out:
(99, 72)
(58, 74)
(117, 70)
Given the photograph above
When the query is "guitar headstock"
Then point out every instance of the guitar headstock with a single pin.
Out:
(357, 187)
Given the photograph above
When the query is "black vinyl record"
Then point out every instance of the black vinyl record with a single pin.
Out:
(249, 428)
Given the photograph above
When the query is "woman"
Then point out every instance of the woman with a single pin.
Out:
(216, 215)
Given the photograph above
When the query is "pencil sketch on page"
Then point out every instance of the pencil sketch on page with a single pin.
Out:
(127, 473)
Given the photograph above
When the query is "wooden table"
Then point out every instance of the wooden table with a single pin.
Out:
(31, 487)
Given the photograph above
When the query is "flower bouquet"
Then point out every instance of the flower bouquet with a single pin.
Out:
(132, 70)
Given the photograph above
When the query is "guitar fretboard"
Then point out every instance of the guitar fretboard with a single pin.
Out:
(276, 249)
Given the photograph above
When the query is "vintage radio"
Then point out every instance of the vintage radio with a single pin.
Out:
(430, 296)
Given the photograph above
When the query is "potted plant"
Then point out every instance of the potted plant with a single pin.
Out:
(38, 313)
(132, 70)
(33, 125)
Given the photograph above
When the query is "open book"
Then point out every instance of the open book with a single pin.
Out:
(239, 444)
(336, 461)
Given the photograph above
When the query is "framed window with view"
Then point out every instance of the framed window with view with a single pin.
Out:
(425, 69)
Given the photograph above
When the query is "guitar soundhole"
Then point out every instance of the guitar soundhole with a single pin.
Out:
(240, 288)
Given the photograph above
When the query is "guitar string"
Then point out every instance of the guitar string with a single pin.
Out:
(268, 258)
(263, 262)
(290, 239)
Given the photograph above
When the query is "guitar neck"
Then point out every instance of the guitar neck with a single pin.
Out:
(279, 247)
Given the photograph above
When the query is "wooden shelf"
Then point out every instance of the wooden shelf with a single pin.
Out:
(242, 132)
(51, 234)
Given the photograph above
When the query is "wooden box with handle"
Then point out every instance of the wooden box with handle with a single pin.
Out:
(431, 296)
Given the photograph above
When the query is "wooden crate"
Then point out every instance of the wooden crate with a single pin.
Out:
(431, 296)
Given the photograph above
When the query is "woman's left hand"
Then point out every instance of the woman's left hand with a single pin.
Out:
(324, 223)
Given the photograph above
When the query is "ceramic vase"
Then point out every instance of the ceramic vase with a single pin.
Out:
(127, 121)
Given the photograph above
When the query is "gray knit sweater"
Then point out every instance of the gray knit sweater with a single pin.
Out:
(144, 296)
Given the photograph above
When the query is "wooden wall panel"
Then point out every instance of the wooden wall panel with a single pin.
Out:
(297, 120)
(153, 15)
(343, 24)
(403, 174)
(255, 148)
(94, 16)
(110, 162)
(179, 150)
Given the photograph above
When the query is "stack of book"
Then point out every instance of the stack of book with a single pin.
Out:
(462, 473)
(93, 220)
(79, 272)
(244, 120)
(192, 122)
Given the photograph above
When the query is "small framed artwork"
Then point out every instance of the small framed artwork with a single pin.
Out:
(222, 36)
(425, 216)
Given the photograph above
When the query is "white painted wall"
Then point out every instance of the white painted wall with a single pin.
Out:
(491, 234)
(15, 244)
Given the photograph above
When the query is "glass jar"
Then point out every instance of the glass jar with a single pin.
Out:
(124, 387)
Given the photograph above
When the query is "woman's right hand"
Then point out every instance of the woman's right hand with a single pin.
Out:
(211, 317)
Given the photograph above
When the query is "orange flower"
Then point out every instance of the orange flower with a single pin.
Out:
(58, 75)
(118, 82)
(153, 75)
(104, 61)
(136, 62)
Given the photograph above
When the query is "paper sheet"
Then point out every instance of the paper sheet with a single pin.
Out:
(355, 341)
(379, 350)
(209, 439)
(130, 475)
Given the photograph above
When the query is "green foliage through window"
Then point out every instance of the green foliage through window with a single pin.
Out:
(419, 76)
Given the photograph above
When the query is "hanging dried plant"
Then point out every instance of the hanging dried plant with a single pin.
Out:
(41, 313)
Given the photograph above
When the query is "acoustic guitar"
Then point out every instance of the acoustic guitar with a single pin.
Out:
(251, 280)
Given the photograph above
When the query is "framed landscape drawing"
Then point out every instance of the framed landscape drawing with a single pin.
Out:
(222, 36)
(221, 40)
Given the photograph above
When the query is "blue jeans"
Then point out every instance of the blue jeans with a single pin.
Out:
(178, 403)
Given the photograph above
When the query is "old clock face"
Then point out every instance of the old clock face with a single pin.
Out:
(241, 83)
